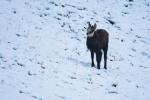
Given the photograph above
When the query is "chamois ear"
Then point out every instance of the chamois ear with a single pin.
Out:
(89, 24)
(95, 26)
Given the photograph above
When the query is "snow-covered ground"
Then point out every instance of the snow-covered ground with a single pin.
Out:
(43, 54)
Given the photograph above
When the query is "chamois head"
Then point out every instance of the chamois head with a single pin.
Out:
(91, 29)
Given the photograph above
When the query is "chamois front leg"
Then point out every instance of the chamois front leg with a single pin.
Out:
(98, 58)
(92, 58)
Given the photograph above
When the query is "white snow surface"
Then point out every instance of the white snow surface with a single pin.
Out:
(43, 53)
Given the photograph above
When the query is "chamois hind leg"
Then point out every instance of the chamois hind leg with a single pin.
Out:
(98, 58)
(105, 56)
(92, 58)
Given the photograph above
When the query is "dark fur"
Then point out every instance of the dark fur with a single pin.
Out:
(97, 43)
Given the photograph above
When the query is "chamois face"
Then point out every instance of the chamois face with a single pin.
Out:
(91, 29)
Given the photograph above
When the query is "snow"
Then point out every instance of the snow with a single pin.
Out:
(43, 55)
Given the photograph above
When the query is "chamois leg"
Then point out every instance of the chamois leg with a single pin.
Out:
(92, 57)
(98, 58)
(105, 57)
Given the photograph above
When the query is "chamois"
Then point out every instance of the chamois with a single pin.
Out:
(97, 41)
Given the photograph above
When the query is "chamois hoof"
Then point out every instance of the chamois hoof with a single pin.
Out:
(98, 67)
(105, 67)
(92, 65)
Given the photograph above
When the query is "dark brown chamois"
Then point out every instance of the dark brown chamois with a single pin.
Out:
(97, 40)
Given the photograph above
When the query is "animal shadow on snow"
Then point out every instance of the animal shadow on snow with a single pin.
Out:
(77, 61)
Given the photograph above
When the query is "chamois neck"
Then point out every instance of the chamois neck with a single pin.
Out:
(91, 34)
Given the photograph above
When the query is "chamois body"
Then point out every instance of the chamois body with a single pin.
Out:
(97, 41)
